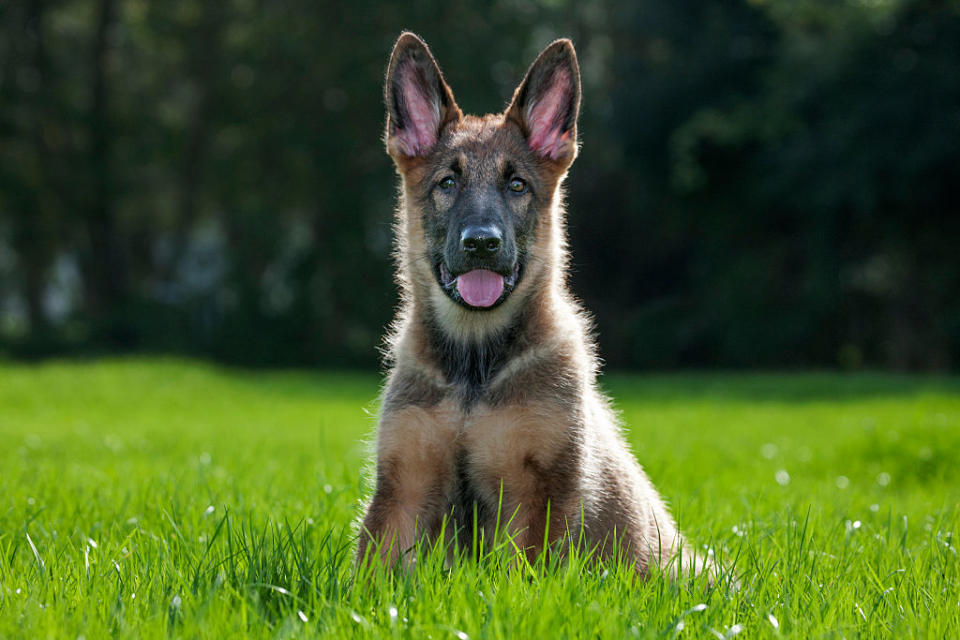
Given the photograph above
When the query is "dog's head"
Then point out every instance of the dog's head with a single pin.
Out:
(480, 192)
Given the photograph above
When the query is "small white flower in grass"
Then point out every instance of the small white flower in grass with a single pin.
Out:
(392, 611)
(327, 488)
(734, 630)
(302, 616)
(768, 451)
(209, 510)
(697, 608)
(883, 478)
(680, 626)
(773, 621)
(874, 508)
(843, 482)
(856, 524)
(31, 501)
(176, 603)
(92, 542)
(783, 478)
(462, 635)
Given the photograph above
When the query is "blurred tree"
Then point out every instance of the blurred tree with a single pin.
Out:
(761, 183)
(846, 160)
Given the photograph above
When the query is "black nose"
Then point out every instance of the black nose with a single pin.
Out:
(481, 241)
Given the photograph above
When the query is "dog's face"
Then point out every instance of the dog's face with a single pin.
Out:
(482, 189)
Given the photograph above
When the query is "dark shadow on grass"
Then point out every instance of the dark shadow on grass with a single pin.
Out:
(788, 387)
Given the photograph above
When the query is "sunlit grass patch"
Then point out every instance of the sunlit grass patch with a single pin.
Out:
(160, 498)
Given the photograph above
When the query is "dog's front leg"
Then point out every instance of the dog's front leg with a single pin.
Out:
(526, 460)
(415, 466)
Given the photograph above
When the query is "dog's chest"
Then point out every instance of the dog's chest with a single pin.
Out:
(470, 369)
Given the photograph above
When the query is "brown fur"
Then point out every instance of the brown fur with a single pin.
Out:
(480, 402)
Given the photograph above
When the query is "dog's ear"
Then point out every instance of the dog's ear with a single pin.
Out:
(419, 102)
(547, 102)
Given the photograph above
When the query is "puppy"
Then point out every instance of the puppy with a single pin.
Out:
(491, 412)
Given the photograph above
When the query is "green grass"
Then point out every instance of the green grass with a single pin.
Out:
(161, 498)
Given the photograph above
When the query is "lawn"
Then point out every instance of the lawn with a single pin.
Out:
(153, 498)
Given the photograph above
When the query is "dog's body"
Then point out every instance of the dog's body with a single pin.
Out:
(491, 402)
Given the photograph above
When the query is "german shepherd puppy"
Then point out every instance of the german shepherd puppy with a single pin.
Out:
(491, 409)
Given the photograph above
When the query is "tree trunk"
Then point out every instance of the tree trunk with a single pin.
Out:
(202, 66)
(106, 269)
(31, 237)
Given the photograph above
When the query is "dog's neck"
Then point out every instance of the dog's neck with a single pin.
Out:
(471, 362)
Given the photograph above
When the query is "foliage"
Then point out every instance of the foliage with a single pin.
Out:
(761, 183)
(171, 499)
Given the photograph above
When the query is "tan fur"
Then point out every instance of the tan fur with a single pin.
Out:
(511, 453)
(415, 453)
(536, 431)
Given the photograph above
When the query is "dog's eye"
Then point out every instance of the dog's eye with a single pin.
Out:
(517, 185)
(447, 183)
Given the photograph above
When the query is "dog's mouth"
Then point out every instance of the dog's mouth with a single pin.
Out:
(478, 288)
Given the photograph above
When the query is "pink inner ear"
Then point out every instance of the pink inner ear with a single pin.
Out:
(423, 115)
(546, 115)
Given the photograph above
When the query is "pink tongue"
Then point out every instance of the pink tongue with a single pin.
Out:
(480, 288)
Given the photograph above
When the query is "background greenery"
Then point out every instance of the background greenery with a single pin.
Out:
(172, 499)
(761, 183)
